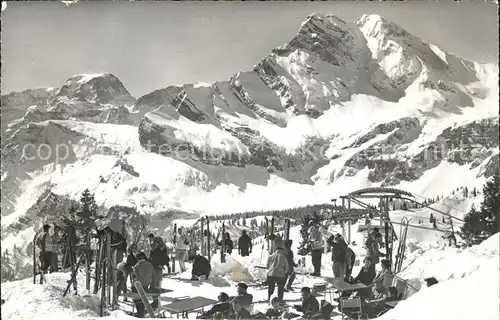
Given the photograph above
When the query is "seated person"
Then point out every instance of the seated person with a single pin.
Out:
(201, 267)
(365, 276)
(325, 311)
(243, 296)
(309, 305)
(223, 306)
(238, 312)
(145, 273)
(380, 279)
(372, 308)
(277, 308)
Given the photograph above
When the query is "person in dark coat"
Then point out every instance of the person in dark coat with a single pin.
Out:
(339, 253)
(228, 243)
(365, 276)
(291, 264)
(201, 267)
(244, 244)
(309, 305)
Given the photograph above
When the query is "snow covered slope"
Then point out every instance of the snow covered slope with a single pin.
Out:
(460, 272)
(341, 106)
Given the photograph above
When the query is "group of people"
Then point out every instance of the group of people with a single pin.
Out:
(239, 306)
(51, 241)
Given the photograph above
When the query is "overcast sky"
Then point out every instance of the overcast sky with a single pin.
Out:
(150, 45)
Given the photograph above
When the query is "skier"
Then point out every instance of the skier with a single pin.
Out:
(201, 267)
(316, 241)
(291, 265)
(277, 265)
(45, 242)
(181, 247)
(244, 244)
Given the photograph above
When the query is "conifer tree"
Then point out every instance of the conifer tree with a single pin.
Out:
(481, 224)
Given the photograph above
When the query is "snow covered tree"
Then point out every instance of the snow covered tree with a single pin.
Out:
(474, 192)
(244, 222)
(434, 224)
(431, 218)
(444, 220)
(490, 207)
(480, 225)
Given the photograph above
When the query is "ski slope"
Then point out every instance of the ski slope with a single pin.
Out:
(467, 289)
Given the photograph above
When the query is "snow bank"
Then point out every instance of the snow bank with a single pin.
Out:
(25, 300)
(468, 283)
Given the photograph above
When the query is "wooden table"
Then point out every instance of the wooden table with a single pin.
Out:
(187, 305)
(341, 285)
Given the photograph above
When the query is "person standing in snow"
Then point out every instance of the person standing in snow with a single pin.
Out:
(372, 245)
(339, 250)
(45, 242)
(228, 243)
(316, 241)
(277, 265)
(291, 264)
(54, 267)
(244, 244)
(158, 258)
(181, 248)
(350, 260)
(125, 270)
(145, 273)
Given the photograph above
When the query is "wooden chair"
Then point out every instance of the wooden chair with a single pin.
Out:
(354, 306)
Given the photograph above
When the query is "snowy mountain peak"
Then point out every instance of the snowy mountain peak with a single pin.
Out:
(100, 88)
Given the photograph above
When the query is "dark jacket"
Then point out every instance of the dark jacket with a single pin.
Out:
(229, 245)
(131, 260)
(245, 243)
(289, 258)
(309, 306)
(201, 266)
(366, 276)
(156, 257)
(339, 250)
